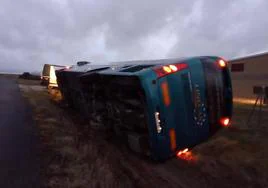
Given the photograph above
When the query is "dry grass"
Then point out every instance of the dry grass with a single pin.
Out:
(9, 76)
(69, 160)
(28, 82)
(238, 156)
(77, 156)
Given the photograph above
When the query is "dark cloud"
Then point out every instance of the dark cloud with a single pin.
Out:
(231, 29)
(61, 32)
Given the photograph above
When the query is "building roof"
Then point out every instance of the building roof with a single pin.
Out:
(249, 56)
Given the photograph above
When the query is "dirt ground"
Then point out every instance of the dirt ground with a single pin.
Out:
(75, 155)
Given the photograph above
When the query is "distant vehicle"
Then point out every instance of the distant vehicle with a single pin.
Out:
(160, 107)
(48, 76)
(29, 76)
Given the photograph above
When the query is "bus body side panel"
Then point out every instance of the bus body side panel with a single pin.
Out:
(177, 114)
(186, 112)
(158, 142)
(198, 87)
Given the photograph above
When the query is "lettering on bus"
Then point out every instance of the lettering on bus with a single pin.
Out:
(199, 107)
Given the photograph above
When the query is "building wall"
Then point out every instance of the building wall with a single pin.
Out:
(254, 73)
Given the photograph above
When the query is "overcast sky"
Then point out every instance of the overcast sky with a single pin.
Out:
(34, 32)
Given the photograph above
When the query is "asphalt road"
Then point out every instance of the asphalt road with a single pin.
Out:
(19, 161)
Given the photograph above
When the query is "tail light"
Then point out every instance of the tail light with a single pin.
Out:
(225, 121)
(168, 69)
(222, 63)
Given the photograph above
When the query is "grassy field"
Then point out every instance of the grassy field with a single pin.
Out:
(74, 155)
(9, 76)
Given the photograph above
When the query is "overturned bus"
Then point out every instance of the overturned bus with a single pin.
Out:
(160, 107)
